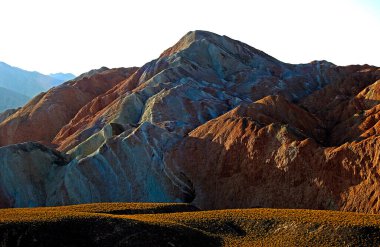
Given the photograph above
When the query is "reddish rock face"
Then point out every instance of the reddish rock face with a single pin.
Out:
(348, 107)
(213, 121)
(42, 118)
(243, 160)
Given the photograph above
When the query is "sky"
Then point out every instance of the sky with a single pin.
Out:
(79, 35)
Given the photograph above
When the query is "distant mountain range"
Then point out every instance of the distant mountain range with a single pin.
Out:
(62, 77)
(17, 86)
(10, 99)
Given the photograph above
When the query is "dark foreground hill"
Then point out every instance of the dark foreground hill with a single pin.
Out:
(147, 224)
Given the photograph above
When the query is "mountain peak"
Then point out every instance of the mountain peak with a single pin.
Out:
(201, 34)
(188, 39)
(223, 42)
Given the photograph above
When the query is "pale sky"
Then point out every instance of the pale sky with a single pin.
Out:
(77, 35)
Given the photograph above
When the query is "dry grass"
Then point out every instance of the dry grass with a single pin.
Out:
(45, 214)
(150, 224)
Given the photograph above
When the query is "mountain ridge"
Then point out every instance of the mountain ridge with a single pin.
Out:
(211, 121)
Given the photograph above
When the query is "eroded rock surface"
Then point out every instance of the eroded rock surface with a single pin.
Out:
(212, 121)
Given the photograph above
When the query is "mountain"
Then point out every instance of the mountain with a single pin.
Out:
(10, 99)
(25, 82)
(212, 121)
(62, 77)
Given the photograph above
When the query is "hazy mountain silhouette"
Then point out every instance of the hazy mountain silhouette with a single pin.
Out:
(62, 77)
(29, 83)
(10, 99)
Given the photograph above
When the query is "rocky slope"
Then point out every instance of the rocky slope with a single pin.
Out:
(212, 121)
(267, 155)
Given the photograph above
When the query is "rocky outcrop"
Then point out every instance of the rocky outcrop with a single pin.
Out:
(127, 167)
(213, 121)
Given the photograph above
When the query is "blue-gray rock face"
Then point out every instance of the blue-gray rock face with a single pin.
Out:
(25, 174)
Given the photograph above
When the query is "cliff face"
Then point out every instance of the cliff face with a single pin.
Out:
(213, 121)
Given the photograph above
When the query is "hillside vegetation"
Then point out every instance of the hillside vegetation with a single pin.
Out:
(155, 224)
